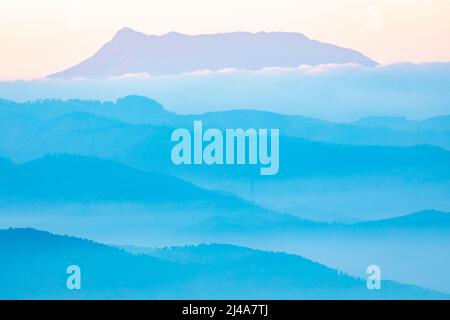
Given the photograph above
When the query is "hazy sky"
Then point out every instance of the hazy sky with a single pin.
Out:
(41, 37)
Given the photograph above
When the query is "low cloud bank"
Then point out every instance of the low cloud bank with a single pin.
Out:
(333, 92)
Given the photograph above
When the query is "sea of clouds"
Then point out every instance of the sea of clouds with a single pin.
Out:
(332, 92)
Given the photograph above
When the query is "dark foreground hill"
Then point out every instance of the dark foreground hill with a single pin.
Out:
(34, 267)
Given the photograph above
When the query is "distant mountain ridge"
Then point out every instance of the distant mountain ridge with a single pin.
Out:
(69, 179)
(423, 220)
(135, 131)
(140, 110)
(401, 123)
(76, 178)
(131, 52)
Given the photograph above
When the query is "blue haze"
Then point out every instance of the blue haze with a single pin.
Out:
(39, 259)
(347, 195)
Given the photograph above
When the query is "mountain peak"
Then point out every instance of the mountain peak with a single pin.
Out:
(125, 34)
(139, 101)
(173, 33)
(126, 30)
(131, 52)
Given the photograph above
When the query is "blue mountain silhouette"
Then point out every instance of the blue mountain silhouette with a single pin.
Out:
(66, 130)
(19, 119)
(358, 158)
(76, 178)
(118, 184)
(427, 220)
(68, 181)
(34, 267)
(431, 222)
(401, 123)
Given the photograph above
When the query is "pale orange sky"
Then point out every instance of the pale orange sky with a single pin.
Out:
(41, 37)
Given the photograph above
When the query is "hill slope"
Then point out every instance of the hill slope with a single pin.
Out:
(34, 267)
(76, 178)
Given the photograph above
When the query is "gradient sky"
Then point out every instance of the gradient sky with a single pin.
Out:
(41, 37)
